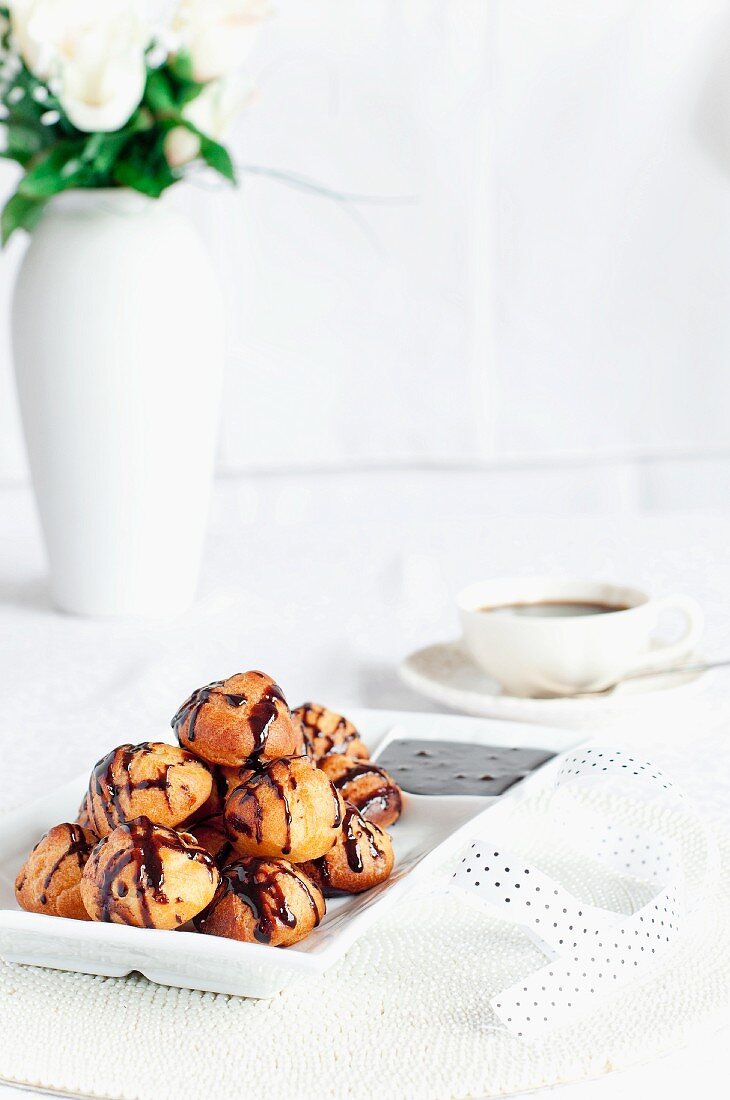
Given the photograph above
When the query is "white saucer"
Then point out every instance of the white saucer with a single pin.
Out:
(445, 674)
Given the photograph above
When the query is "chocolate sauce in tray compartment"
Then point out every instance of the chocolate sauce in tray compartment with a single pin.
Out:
(458, 767)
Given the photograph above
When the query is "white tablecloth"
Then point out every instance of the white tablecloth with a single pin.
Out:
(325, 581)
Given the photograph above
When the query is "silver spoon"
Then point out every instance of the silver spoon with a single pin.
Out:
(678, 671)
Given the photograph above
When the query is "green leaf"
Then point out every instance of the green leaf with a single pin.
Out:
(181, 66)
(152, 184)
(159, 93)
(101, 153)
(19, 212)
(22, 142)
(20, 93)
(217, 156)
(185, 88)
(145, 168)
(188, 91)
(56, 170)
(25, 110)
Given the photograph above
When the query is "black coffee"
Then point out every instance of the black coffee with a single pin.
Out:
(553, 609)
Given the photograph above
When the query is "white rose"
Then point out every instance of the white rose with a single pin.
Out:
(218, 34)
(92, 52)
(36, 31)
(214, 110)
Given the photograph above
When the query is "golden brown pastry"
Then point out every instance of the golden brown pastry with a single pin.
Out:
(211, 834)
(230, 721)
(361, 858)
(285, 808)
(325, 731)
(149, 780)
(263, 901)
(50, 879)
(366, 786)
(149, 876)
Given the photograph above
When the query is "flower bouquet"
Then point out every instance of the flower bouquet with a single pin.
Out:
(117, 317)
(117, 93)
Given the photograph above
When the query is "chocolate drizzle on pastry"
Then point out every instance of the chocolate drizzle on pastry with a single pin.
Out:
(325, 731)
(362, 857)
(192, 707)
(260, 885)
(285, 808)
(263, 714)
(78, 846)
(147, 843)
(338, 809)
(384, 797)
(260, 716)
(114, 785)
(265, 775)
(355, 831)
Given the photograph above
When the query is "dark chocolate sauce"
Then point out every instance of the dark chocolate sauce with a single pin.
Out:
(338, 808)
(457, 767)
(220, 784)
(306, 885)
(356, 832)
(262, 714)
(235, 700)
(351, 840)
(379, 800)
(321, 869)
(223, 855)
(103, 792)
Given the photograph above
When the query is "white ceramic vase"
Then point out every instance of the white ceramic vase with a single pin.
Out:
(117, 338)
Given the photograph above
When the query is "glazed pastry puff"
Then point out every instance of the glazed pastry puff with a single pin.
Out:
(152, 780)
(284, 809)
(231, 721)
(263, 901)
(325, 731)
(365, 785)
(361, 858)
(148, 876)
(50, 879)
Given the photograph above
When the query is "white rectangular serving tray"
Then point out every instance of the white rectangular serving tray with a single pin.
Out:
(428, 830)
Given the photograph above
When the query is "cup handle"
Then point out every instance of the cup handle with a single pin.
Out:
(666, 655)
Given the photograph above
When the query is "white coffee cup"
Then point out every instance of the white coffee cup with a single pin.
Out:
(537, 636)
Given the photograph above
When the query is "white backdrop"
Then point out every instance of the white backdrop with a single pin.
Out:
(557, 284)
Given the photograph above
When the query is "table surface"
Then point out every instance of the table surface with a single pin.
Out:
(326, 581)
